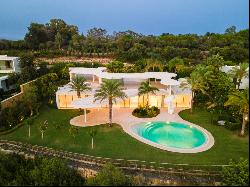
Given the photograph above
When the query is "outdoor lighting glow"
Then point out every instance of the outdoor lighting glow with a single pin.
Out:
(168, 122)
(246, 118)
(191, 126)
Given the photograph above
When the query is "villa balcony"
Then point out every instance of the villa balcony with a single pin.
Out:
(4, 69)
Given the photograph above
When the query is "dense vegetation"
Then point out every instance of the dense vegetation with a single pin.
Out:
(57, 38)
(237, 174)
(17, 171)
(47, 80)
(110, 176)
(42, 171)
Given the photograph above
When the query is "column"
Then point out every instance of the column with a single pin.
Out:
(170, 89)
(100, 80)
(85, 117)
(93, 78)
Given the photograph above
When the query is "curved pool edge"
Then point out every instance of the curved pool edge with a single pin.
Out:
(204, 147)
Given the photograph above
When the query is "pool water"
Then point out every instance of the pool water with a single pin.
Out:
(170, 134)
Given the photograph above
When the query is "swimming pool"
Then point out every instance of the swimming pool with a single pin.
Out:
(175, 136)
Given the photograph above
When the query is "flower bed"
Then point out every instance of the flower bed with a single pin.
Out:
(146, 112)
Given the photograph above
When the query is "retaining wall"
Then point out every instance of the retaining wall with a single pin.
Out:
(17, 97)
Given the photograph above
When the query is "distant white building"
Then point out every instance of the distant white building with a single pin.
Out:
(8, 65)
(244, 82)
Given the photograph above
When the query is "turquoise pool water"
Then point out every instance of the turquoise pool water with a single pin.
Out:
(170, 134)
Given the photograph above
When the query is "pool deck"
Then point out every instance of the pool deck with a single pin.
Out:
(124, 117)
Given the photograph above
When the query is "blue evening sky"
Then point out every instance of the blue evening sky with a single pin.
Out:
(143, 16)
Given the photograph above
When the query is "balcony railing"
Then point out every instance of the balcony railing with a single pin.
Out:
(4, 69)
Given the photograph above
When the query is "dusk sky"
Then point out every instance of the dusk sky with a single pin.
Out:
(143, 16)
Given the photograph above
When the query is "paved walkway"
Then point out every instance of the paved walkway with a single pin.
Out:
(121, 116)
(124, 117)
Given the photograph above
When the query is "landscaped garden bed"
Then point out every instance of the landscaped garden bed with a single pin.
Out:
(146, 112)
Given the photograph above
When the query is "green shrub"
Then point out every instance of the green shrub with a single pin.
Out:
(237, 174)
(146, 112)
(110, 176)
(233, 125)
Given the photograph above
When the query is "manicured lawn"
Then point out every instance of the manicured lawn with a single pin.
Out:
(115, 143)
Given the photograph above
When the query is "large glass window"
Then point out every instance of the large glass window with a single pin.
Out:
(62, 101)
(127, 103)
(134, 102)
(182, 101)
(141, 101)
(153, 100)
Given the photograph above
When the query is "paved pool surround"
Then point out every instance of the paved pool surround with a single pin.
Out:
(124, 117)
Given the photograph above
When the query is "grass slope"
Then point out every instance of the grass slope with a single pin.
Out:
(115, 143)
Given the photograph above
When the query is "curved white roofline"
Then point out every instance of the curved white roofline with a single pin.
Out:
(166, 77)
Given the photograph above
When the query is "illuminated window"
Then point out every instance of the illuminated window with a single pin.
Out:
(134, 102)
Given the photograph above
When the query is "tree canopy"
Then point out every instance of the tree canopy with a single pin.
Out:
(59, 38)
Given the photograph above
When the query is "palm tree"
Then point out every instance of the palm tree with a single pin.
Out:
(29, 122)
(195, 82)
(239, 72)
(174, 63)
(146, 88)
(240, 99)
(79, 84)
(73, 131)
(110, 89)
(153, 64)
(92, 134)
(43, 127)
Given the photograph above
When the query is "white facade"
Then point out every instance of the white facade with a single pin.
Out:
(244, 82)
(66, 98)
(9, 64)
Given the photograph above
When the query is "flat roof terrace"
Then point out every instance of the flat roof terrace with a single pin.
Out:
(165, 77)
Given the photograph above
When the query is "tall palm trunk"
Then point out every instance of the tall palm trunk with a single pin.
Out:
(29, 130)
(78, 94)
(238, 84)
(192, 102)
(31, 110)
(92, 143)
(147, 104)
(110, 111)
(242, 132)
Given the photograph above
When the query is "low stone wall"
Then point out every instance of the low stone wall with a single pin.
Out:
(13, 99)
(88, 166)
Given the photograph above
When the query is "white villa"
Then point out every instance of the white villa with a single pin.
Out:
(169, 96)
(8, 65)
